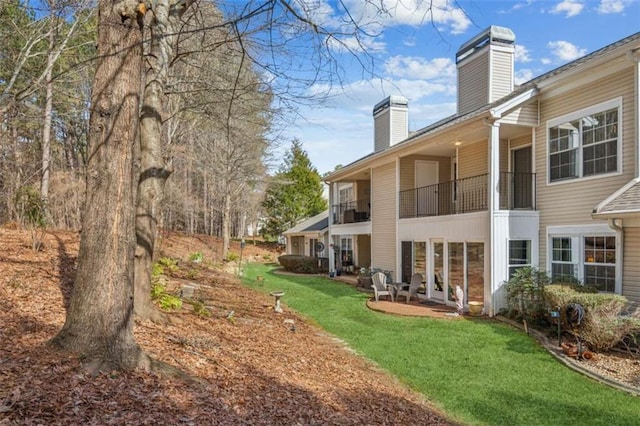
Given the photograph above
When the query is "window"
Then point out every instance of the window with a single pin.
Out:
(346, 245)
(587, 258)
(562, 260)
(600, 262)
(519, 255)
(586, 144)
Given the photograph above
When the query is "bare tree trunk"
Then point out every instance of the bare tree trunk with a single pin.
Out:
(99, 322)
(226, 209)
(46, 129)
(154, 170)
(205, 203)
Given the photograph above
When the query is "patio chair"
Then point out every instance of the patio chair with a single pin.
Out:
(380, 286)
(416, 281)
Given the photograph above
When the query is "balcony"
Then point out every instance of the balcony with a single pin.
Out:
(516, 191)
(351, 212)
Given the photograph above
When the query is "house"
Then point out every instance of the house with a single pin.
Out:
(545, 174)
(309, 237)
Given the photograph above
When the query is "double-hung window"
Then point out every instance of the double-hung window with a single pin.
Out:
(519, 255)
(585, 143)
(563, 259)
(587, 257)
(346, 245)
(600, 262)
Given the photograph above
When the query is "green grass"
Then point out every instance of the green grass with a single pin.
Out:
(477, 371)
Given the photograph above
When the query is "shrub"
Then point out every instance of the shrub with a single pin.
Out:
(604, 325)
(232, 256)
(169, 302)
(166, 265)
(159, 283)
(302, 264)
(199, 308)
(525, 293)
(196, 257)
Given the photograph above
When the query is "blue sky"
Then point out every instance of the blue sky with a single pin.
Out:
(415, 57)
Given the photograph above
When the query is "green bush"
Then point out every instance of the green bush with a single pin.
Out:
(199, 308)
(196, 257)
(166, 265)
(302, 264)
(525, 293)
(604, 325)
(169, 302)
(232, 256)
(159, 283)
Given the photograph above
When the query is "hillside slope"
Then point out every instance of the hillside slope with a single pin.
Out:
(251, 367)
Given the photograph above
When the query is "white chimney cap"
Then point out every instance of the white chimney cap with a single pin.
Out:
(393, 100)
(491, 35)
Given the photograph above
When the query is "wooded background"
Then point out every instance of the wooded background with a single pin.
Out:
(215, 129)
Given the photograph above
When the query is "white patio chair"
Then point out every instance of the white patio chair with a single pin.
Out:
(416, 281)
(380, 286)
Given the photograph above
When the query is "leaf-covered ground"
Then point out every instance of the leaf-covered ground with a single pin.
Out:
(252, 366)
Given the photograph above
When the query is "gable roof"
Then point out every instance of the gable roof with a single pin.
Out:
(315, 224)
(625, 201)
(519, 94)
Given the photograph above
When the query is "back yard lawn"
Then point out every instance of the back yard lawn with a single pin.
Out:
(478, 371)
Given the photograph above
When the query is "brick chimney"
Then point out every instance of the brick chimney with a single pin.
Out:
(485, 68)
(391, 122)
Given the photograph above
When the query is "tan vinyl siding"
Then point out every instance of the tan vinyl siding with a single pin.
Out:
(399, 122)
(382, 130)
(408, 169)
(520, 141)
(407, 172)
(473, 78)
(383, 217)
(444, 169)
(525, 116)
(631, 269)
(502, 74)
(572, 202)
(473, 160)
(504, 156)
(363, 190)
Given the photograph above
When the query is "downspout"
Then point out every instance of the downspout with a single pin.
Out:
(618, 228)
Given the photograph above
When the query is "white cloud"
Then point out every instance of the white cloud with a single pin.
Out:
(409, 12)
(612, 6)
(424, 114)
(565, 51)
(568, 7)
(419, 68)
(357, 45)
(524, 75)
(516, 6)
(522, 54)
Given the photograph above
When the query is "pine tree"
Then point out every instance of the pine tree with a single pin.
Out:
(295, 193)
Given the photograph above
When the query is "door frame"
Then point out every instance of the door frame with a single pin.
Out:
(515, 193)
(434, 276)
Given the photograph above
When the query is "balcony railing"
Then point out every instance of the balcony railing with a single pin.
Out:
(517, 191)
(351, 212)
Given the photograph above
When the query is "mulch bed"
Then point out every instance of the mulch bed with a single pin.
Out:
(254, 366)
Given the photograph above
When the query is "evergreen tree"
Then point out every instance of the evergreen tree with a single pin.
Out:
(294, 193)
